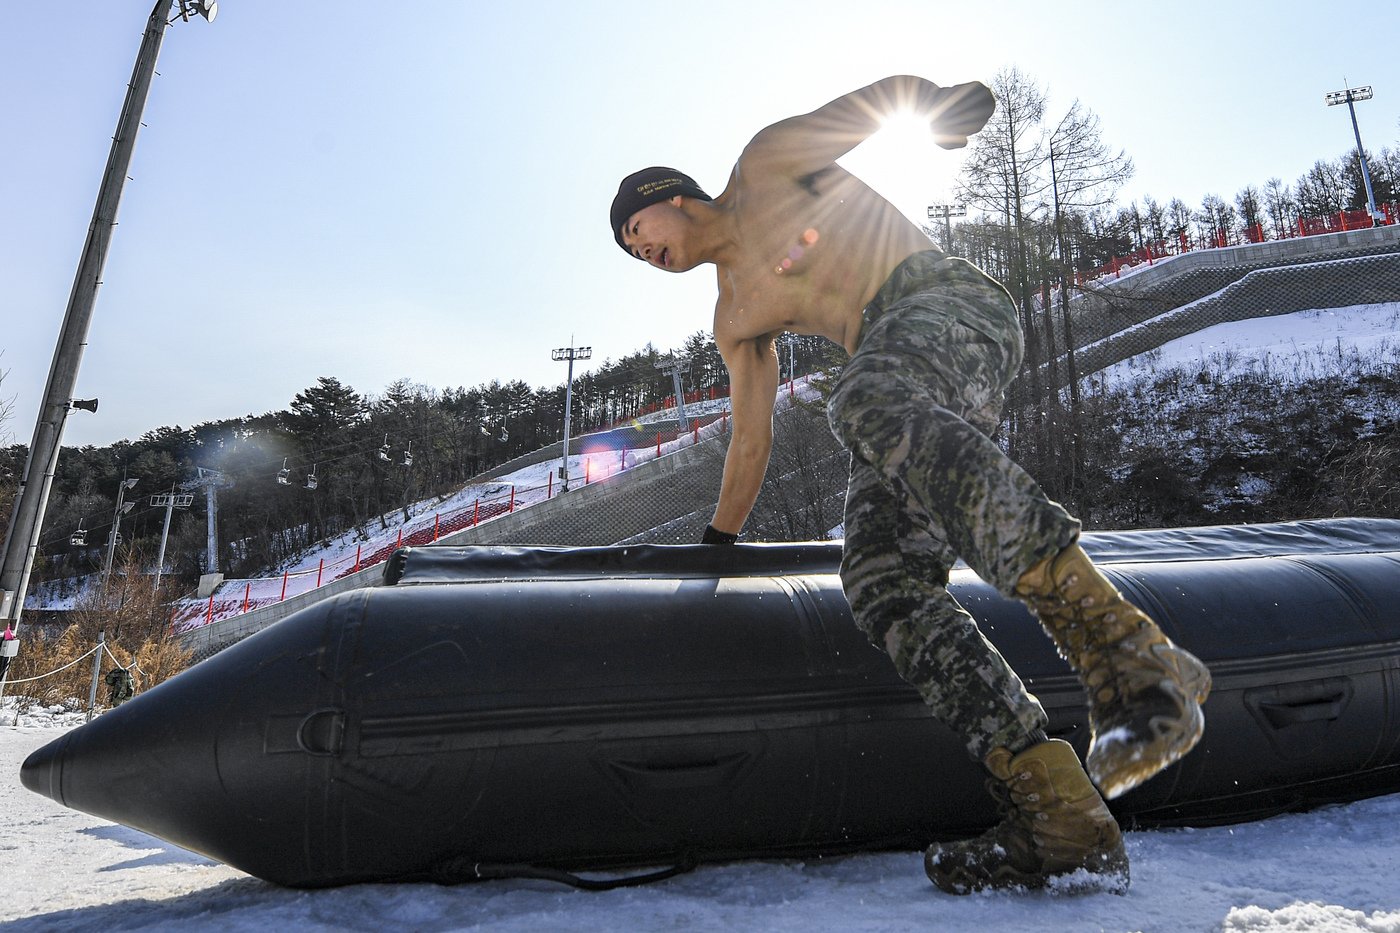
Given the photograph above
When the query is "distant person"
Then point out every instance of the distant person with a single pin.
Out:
(801, 245)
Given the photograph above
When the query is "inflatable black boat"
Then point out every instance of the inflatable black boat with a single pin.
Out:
(495, 711)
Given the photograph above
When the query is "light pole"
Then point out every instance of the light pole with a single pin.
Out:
(122, 508)
(947, 211)
(22, 540)
(569, 353)
(790, 341)
(1349, 97)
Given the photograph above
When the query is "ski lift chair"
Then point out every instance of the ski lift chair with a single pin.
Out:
(284, 474)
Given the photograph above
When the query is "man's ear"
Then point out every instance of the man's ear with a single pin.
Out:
(676, 200)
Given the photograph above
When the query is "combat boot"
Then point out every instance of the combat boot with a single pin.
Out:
(1056, 832)
(1145, 693)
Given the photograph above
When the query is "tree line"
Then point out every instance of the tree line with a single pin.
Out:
(333, 460)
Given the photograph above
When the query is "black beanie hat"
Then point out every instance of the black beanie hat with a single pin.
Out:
(645, 188)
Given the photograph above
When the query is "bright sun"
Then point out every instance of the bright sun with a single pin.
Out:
(901, 162)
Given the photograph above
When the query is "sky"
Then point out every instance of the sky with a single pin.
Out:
(326, 190)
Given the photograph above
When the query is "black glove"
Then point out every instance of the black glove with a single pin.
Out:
(713, 535)
(966, 109)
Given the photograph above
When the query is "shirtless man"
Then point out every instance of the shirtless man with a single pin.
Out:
(801, 245)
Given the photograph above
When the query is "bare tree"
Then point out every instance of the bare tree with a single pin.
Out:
(1323, 189)
(1003, 175)
(1216, 218)
(1280, 206)
(1085, 176)
(1251, 208)
(1178, 218)
(1155, 215)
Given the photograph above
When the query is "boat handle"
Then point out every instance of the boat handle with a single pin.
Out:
(1322, 709)
(668, 775)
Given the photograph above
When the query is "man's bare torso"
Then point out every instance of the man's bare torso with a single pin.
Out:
(812, 252)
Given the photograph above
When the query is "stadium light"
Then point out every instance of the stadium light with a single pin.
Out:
(569, 353)
(947, 212)
(1350, 96)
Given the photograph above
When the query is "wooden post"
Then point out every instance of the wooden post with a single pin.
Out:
(96, 673)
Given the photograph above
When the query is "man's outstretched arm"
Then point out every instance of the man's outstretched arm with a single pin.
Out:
(753, 387)
(829, 132)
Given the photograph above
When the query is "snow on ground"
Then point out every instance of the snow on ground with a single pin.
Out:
(1293, 347)
(1334, 870)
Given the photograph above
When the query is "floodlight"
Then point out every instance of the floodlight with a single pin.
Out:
(1352, 93)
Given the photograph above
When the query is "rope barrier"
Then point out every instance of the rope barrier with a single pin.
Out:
(117, 661)
(25, 680)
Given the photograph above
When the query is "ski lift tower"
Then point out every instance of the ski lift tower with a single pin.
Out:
(168, 501)
(675, 367)
(211, 481)
(569, 353)
(1349, 97)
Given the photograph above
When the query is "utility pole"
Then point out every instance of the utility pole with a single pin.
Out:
(569, 353)
(1349, 97)
(675, 367)
(22, 539)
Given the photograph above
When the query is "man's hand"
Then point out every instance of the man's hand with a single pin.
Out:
(713, 535)
(961, 111)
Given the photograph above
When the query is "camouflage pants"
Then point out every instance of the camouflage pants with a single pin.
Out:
(915, 404)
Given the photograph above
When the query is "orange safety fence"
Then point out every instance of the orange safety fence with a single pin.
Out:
(1184, 243)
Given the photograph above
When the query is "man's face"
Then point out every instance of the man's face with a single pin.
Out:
(656, 234)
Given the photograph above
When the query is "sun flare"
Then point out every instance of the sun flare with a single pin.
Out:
(902, 163)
